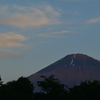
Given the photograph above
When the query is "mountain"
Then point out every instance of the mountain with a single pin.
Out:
(71, 70)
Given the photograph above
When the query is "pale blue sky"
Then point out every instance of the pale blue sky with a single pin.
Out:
(36, 33)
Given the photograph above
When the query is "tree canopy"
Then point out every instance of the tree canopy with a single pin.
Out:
(51, 89)
(21, 89)
(0, 81)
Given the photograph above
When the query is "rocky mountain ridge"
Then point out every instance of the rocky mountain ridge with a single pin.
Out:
(71, 70)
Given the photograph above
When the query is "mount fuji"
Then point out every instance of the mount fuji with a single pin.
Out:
(71, 70)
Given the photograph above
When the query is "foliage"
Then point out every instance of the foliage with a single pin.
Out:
(22, 89)
(52, 87)
(86, 91)
(0, 81)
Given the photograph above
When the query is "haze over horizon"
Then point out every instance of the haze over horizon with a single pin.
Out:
(34, 34)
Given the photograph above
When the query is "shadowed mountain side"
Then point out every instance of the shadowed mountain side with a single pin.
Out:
(71, 70)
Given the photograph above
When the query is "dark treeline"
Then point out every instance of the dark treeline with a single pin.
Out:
(51, 89)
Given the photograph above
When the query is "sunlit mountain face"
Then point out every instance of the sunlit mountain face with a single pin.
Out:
(71, 70)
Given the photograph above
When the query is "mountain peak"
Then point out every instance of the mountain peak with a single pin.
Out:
(80, 56)
(73, 60)
(71, 70)
(80, 60)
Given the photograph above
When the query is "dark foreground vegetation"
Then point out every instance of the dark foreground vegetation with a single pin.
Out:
(51, 89)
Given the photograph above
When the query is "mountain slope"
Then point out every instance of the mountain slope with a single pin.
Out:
(71, 70)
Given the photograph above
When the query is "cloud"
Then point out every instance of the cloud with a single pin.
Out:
(22, 46)
(52, 34)
(28, 16)
(60, 32)
(96, 20)
(11, 55)
(13, 40)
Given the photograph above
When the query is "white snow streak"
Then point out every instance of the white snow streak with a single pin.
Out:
(71, 62)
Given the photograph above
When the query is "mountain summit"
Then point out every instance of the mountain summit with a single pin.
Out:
(71, 70)
(73, 60)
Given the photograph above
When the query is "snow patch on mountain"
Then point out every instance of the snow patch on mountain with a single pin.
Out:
(72, 62)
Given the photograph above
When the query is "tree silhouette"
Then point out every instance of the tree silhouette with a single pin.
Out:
(86, 91)
(52, 87)
(22, 89)
(0, 81)
(1, 85)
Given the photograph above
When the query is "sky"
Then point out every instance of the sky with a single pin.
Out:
(36, 33)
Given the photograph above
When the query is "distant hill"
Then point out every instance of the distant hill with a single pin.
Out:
(71, 70)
